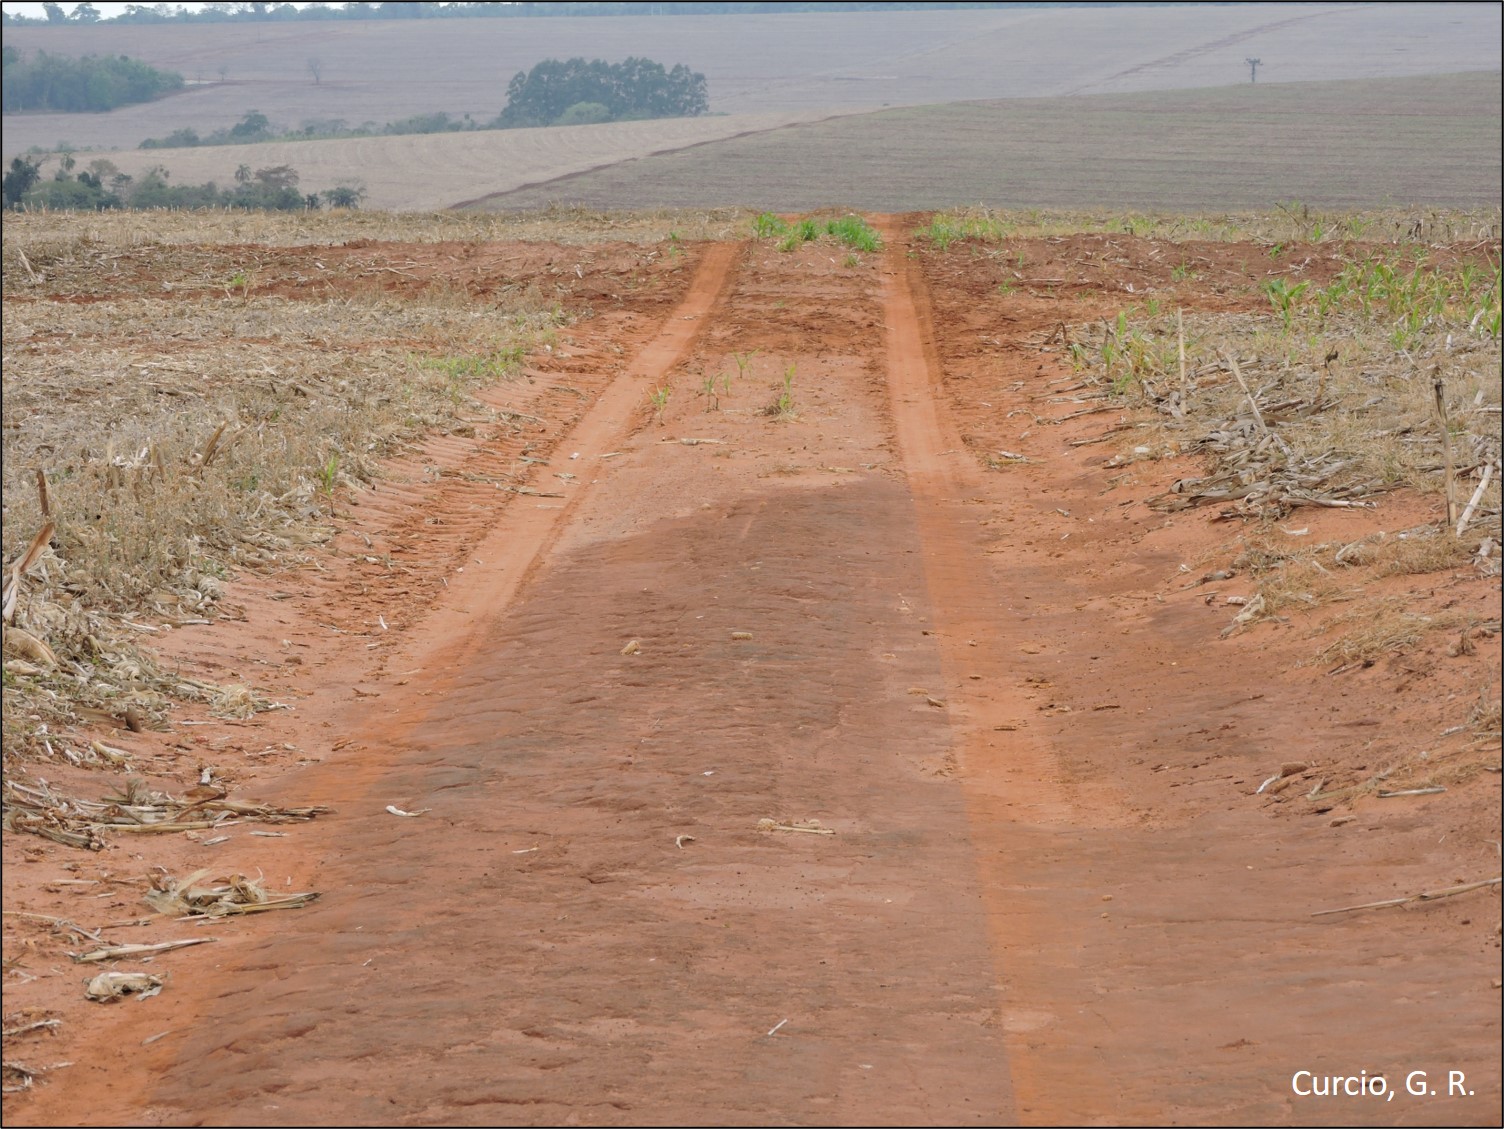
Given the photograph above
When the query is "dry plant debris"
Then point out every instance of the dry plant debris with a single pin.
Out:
(1378, 371)
(115, 952)
(108, 987)
(803, 826)
(395, 810)
(1346, 381)
(39, 809)
(193, 896)
(165, 430)
(19, 1026)
(23, 1022)
(1423, 896)
(20, 1076)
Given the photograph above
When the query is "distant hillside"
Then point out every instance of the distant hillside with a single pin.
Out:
(1433, 139)
(803, 65)
(1428, 141)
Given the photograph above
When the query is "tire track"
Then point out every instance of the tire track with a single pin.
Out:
(1156, 952)
(1011, 777)
(587, 923)
(517, 545)
(230, 1001)
(942, 476)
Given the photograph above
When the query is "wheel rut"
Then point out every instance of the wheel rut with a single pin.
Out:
(1153, 934)
(723, 624)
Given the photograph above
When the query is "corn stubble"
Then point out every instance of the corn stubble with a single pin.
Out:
(1380, 376)
(153, 447)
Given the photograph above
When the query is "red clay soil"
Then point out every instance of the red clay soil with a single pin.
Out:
(1019, 870)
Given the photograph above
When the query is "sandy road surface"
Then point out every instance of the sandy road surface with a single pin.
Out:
(1032, 906)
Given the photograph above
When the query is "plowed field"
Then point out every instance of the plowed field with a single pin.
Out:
(782, 753)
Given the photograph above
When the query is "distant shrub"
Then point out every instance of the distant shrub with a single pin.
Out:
(23, 174)
(439, 122)
(255, 126)
(344, 196)
(81, 195)
(177, 139)
(324, 127)
(585, 113)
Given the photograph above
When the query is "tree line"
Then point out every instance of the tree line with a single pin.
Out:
(256, 127)
(87, 13)
(90, 83)
(102, 186)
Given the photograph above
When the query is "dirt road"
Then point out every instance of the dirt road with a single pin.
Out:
(791, 767)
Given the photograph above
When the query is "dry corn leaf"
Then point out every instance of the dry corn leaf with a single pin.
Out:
(193, 897)
(110, 986)
(28, 646)
(22, 566)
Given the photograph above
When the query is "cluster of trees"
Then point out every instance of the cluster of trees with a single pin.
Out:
(103, 186)
(87, 13)
(576, 92)
(94, 82)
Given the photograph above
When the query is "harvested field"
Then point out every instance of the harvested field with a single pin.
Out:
(974, 668)
(1431, 140)
(397, 173)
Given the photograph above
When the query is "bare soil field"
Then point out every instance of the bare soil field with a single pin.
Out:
(807, 65)
(1431, 140)
(1029, 672)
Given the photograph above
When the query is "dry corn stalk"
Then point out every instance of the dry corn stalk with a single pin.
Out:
(24, 565)
(805, 826)
(114, 952)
